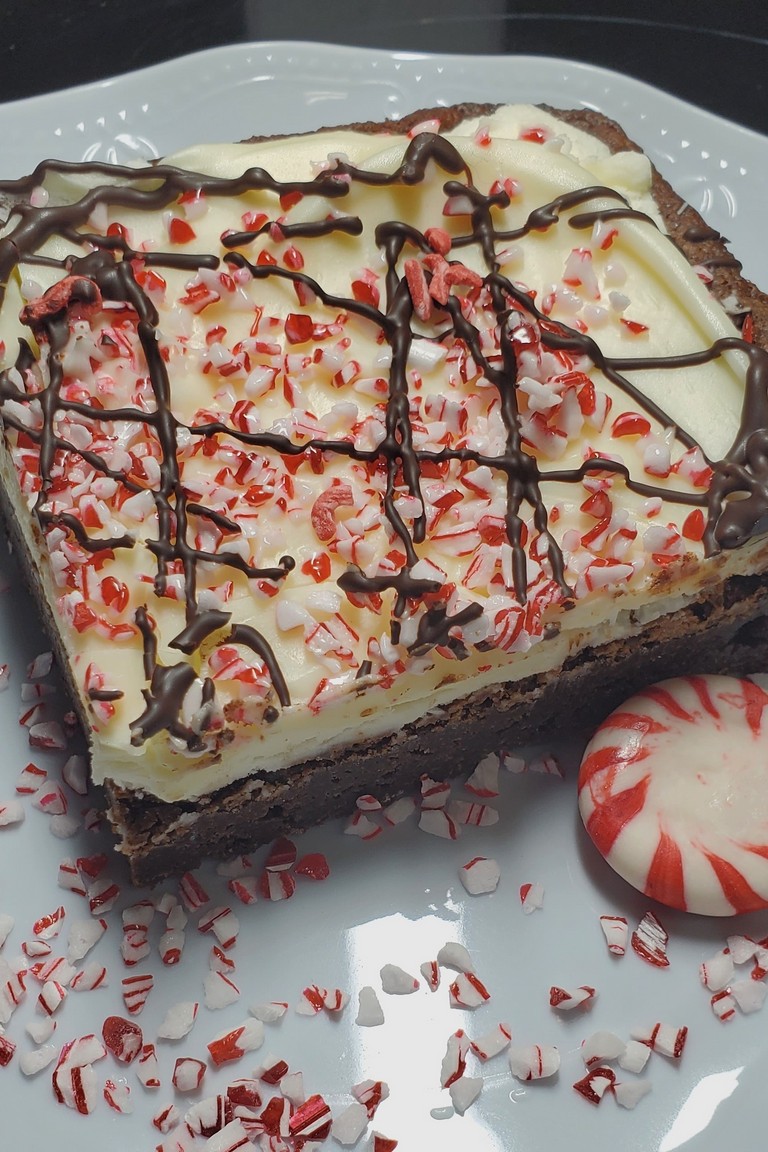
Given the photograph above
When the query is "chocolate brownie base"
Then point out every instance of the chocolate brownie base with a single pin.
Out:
(725, 631)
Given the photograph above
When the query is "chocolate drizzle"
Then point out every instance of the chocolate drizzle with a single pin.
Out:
(736, 503)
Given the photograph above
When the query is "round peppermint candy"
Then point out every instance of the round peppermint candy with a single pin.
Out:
(673, 790)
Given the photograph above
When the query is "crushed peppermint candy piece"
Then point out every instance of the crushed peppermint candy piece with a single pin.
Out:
(312, 1120)
(35, 1061)
(193, 894)
(430, 970)
(434, 793)
(224, 925)
(531, 897)
(136, 990)
(602, 1047)
(484, 780)
(51, 997)
(350, 1124)
(178, 1020)
(595, 1084)
(219, 991)
(40, 1031)
(399, 810)
(480, 876)
(437, 822)
(723, 1005)
(475, 815)
(464, 1092)
(547, 765)
(370, 1094)
(566, 999)
(492, 1043)
(30, 779)
(629, 1093)
(234, 1043)
(147, 1070)
(360, 825)
(167, 1118)
(742, 948)
(47, 734)
(40, 667)
(749, 994)
(455, 956)
(75, 774)
(269, 1013)
(118, 1095)
(649, 941)
(717, 972)
(7, 1050)
(635, 1056)
(616, 932)
(380, 1143)
(396, 982)
(11, 812)
(311, 1001)
(467, 991)
(232, 1138)
(314, 866)
(534, 1061)
(455, 1059)
(369, 1013)
(94, 975)
(187, 1074)
(123, 1038)
(663, 1038)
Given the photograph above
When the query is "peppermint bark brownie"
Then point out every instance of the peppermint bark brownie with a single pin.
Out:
(343, 458)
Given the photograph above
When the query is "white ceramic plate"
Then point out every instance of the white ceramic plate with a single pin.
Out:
(398, 898)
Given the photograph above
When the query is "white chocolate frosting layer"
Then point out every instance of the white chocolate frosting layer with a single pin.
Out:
(300, 443)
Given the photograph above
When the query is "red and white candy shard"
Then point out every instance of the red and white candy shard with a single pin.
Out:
(635, 1056)
(455, 1059)
(188, 1074)
(663, 1038)
(269, 1013)
(602, 1047)
(717, 972)
(595, 1084)
(749, 994)
(349, 1126)
(534, 1061)
(178, 1021)
(492, 1043)
(219, 991)
(11, 812)
(616, 932)
(629, 1093)
(566, 999)
(480, 876)
(430, 970)
(467, 991)
(484, 781)
(234, 1043)
(369, 1013)
(649, 941)
(370, 1093)
(396, 982)
(532, 897)
(465, 1091)
(672, 792)
(118, 1095)
(454, 955)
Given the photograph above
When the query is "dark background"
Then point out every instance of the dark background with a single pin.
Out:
(715, 55)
